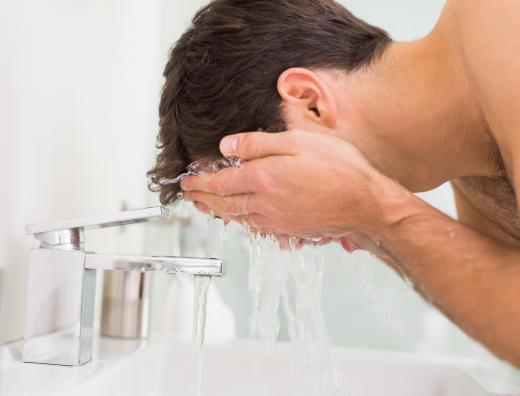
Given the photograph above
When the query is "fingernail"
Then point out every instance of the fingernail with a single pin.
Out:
(229, 145)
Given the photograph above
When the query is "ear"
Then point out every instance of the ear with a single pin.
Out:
(305, 92)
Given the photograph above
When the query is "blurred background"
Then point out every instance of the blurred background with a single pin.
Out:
(79, 88)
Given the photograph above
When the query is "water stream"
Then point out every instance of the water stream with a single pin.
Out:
(200, 293)
(277, 279)
(292, 280)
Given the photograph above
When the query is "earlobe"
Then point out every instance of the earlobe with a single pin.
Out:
(307, 92)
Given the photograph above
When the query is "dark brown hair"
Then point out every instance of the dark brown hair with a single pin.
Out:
(222, 74)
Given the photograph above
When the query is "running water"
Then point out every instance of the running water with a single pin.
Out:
(201, 288)
(277, 278)
(289, 280)
(223, 233)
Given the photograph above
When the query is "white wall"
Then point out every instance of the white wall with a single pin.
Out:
(403, 19)
(80, 81)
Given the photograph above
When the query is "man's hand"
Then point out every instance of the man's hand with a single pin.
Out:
(301, 184)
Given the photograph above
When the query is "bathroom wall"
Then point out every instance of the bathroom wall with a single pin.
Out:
(79, 87)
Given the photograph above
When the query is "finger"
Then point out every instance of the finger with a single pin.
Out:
(287, 242)
(347, 245)
(202, 207)
(263, 224)
(321, 242)
(259, 222)
(229, 181)
(254, 145)
(205, 209)
(236, 205)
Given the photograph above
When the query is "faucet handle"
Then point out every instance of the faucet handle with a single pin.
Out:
(70, 231)
(100, 221)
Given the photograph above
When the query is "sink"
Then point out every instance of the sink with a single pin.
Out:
(158, 367)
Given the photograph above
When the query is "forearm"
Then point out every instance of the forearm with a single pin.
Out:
(474, 280)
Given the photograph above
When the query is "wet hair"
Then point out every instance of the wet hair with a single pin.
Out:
(221, 77)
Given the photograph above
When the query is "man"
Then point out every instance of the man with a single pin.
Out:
(368, 121)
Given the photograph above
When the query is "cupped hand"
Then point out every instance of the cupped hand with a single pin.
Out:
(298, 183)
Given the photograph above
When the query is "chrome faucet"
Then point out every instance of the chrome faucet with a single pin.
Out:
(62, 281)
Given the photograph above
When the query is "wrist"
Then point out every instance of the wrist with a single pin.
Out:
(395, 205)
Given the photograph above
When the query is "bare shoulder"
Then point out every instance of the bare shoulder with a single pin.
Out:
(497, 18)
(489, 30)
(489, 38)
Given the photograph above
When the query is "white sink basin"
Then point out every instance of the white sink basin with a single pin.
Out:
(159, 368)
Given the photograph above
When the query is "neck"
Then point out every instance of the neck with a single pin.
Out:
(417, 111)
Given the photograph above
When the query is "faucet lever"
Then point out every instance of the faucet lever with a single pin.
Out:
(69, 233)
(101, 221)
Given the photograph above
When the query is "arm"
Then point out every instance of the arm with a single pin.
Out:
(470, 277)
(473, 279)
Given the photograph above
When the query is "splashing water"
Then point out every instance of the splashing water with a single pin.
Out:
(267, 279)
(208, 166)
(290, 280)
(223, 233)
(277, 278)
(201, 288)
(307, 328)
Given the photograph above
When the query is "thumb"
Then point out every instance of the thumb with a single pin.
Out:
(254, 145)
